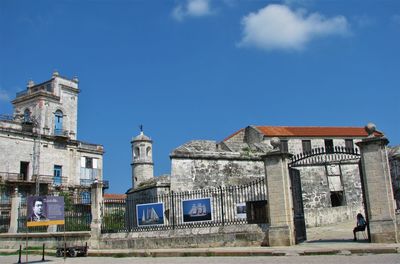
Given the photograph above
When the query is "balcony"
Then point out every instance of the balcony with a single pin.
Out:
(89, 182)
(12, 177)
(61, 133)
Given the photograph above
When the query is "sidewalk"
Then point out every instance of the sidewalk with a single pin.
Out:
(328, 240)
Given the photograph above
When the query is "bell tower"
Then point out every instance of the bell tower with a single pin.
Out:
(142, 158)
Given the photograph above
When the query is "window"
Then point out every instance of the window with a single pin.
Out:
(136, 153)
(58, 123)
(329, 146)
(27, 116)
(148, 152)
(284, 146)
(306, 145)
(23, 170)
(89, 170)
(57, 175)
(349, 144)
(256, 212)
(337, 199)
(89, 163)
(85, 197)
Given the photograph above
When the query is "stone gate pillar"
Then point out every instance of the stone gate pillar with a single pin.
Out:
(96, 206)
(15, 202)
(280, 203)
(377, 186)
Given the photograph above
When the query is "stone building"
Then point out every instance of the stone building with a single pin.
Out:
(331, 189)
(394, 162)
(39, 149)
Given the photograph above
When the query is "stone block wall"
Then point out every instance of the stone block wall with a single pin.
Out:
(51, 240)
(316, 195)
(229, 236)
(192, 174)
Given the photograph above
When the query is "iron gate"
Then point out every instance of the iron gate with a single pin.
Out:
(316, 157)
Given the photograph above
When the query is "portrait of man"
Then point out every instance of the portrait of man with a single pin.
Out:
(37, 210)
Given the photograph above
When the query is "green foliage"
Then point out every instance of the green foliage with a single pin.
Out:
(68, 203)
(114, 220)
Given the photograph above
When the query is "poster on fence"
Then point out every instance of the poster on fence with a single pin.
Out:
(197, 210)
(241, 211)
(45, 210)
(150, 214)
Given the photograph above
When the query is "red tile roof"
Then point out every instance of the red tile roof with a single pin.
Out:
(114, 196)
(286, 131)
(272, 131)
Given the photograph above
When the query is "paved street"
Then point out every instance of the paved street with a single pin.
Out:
(353, 259)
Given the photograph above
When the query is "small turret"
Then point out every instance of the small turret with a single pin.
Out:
(142, 159)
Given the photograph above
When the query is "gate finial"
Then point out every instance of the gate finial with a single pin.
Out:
(370, 128)
(276, 143)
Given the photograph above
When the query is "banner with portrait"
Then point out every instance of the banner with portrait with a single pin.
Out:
(45, 211)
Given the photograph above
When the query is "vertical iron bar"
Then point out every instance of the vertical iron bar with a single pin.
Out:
(173, 209)
(222, 206)
(43, 253)
(19, 254)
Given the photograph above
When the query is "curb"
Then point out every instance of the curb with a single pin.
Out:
(227, 252)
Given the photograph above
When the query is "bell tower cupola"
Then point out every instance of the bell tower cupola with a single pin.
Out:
(142, 158)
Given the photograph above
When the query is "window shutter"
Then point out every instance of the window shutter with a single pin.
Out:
(94, 163)
(83, 162)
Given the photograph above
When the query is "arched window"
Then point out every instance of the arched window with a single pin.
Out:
(148, 152)
(27, 116)
(136, 152)
(58, 122)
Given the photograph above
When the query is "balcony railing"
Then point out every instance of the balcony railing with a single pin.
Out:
(45, 87)
(89, 182)
(9, 176)
(61, 132)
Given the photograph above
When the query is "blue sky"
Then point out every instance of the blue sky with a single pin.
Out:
(204, 69)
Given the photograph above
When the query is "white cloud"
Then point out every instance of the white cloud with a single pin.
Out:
(192, 8)
(278, 27)
(4, 96)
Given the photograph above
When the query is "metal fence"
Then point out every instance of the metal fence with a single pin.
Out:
(5, 210)
(175, 210)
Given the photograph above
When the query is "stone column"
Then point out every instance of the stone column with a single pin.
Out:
(97, 208)
(378, 188)
(280, 202)
(15, 202)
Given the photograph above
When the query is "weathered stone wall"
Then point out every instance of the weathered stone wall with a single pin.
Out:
(230, 236)
(316, 195)
(207, 172)
(52, 240)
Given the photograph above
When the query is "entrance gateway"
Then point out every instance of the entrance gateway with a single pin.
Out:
(331, 159)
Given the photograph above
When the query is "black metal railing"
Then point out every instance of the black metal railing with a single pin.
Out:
(176, 210)
(77, 218)
(4, 223)
(322, 155)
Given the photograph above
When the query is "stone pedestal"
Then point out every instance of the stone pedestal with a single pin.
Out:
(97, 204)
(280, 203)
(380, 203)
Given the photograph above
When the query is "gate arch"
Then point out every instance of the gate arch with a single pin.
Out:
(319, 157)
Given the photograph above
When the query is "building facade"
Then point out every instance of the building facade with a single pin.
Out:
(39, 149)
